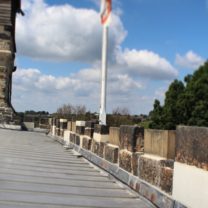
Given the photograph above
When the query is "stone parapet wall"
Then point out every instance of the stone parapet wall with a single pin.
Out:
(123, 146)
(147, 156)
(160, 143)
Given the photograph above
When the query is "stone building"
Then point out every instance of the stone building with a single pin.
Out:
(8, 11)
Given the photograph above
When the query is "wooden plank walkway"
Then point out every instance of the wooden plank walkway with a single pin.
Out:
(36, 172)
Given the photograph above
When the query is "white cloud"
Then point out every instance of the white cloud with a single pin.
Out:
(64, 32)
(35, 90)
(29, 79)
(146, 64)
(190, 60)
(123, 85)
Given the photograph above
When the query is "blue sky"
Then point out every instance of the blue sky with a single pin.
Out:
(152, 42)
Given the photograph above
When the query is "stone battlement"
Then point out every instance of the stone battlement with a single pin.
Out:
(152, 162)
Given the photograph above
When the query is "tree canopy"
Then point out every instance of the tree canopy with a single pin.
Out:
(185, 102)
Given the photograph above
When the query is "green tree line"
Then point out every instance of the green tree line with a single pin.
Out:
(186, 103)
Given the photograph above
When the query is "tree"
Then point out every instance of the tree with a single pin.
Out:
(72, 112)
(79, 110)
(121, 111)
(156, 116)
(66, 109)
(196, 97)
(171, 114)
(184, 104)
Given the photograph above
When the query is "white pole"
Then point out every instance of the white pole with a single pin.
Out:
(102, 117)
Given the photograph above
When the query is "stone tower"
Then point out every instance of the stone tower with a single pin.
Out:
(8, 11)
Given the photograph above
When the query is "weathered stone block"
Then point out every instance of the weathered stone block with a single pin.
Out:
(114, 135)
(57, 121)
(131, 138)
(111, 153)
(62, 132)
(135, 162)
(101, 129)
(89, 131)
(53, 121)
(80, 127)
(160, 142)
(98, 148)
(57, 131)
(125, 158)
(67, 136)
(80, 130)
(73, 138)
(192, 146)
(73, 126)
(53, 130)
(156, 171)
(50, 121)
(91, 124)
(77, 139)
(101, 133)
(5, 59)
(166, 179)
(100, 137)
(80, 123)
(29, 125)
(95, 147)
(86, 143)
(63, 123)
(69, 125)
(150, 169)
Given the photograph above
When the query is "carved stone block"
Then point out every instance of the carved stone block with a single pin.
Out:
(73, 138)
(125, 158)
(91, 124)
(156, 171)
(111, 153)
(80, 130)
(98, 148)
(114, 135)
(89, 131)
(101, 129)
(192, 146)
(86, 143)
(131, 138)
(77, 139)
(160, 142)
(63, 123)
(135, 162)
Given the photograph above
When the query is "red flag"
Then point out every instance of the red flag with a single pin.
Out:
(106, 8)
